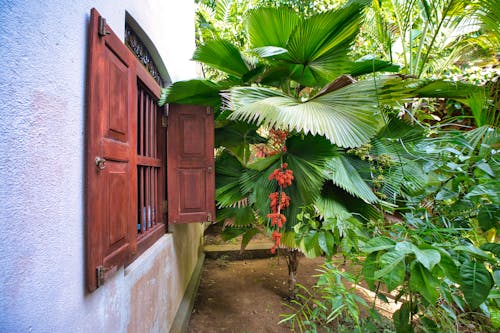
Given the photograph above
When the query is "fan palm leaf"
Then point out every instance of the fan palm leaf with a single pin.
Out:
(237, 138)
(196, 91)
(228, 171)
(222, 55)
(348, 117)
(343, 174)
(280, 23)
(316, 47)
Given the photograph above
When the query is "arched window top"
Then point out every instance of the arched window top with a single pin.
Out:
(145, 51)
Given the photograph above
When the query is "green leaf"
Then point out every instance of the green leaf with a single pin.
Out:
(345, 175)
(496, 277)
(428, 257)
(247, 237)
(485, 167)
(269, 51)
(449, 268)
(306, 157)
(422, 281)
(404, 248)
(237, 137)
(321, 43)
(401, 319)
(311, 241)
(395, 277)
(492, 247)
(348, 117)
(326, 242)
(199, 92)
(476, 283)
(237, 216)
(488, 216)
(232, 232)
(442, 89)
(279, 24)
(264, 163)
(378, 244)
(474, 251)
(393, 270)
(222, 55)
(372, 65)
(369, 268)
(228, 171)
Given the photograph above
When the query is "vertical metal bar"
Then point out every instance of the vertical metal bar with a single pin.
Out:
(149, 197)
(156, 206)
(151, 131)
(143, 120)
(138, 119)
(141, 197)
(146, 125)
(155, 126)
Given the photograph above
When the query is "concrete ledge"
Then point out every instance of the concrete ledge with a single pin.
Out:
(254, 250)
(181, 320)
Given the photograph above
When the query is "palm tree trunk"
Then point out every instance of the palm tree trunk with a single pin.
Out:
(292, 260)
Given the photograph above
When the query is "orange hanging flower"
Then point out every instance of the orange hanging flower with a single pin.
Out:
(278, 201)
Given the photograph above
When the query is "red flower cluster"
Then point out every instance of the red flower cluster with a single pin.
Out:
(282, 176)
(278, 137)
(277, 219)
(275, 144)
(279, 201)
(276, 238)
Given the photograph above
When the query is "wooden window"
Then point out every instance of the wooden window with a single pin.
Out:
(127, 156)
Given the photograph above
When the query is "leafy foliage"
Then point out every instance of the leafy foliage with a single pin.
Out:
(398, 173)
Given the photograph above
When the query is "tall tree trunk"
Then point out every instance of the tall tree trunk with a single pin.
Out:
(292, 260)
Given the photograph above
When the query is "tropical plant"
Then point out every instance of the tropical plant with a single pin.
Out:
(430, 37)
(359, 171)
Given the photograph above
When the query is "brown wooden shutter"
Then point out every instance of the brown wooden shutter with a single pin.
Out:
(111, 175)
(191, 180)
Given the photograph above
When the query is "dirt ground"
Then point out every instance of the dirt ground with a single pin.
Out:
(246, 295)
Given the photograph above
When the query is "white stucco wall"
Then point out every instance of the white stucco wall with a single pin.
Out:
(42, 93)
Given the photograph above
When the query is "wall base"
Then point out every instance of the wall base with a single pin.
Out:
(181, 320)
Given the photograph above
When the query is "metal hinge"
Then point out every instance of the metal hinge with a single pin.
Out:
(100, 271)
(102, 31)
(209, 217)
(164, 121)
(209, 111)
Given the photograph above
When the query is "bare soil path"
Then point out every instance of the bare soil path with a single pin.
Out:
(246, 295)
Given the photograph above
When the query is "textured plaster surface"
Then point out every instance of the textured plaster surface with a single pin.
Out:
(42, 93)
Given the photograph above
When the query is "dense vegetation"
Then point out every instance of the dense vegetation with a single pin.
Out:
(368, 130)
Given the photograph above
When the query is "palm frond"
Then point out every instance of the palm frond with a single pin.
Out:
(344, 175)
(237, 137)
(200, 92)
(306, 157)
(321, 42)
(360, 209)
(445, 89)
(348, 117)
(228, 171)
(222, 55)
(223, 10)
(279, 24)
(237, 216)
(371, 66)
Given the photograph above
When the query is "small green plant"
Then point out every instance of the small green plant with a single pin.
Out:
(333, 306)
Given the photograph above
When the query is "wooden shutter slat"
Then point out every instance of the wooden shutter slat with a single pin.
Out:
(191, 180)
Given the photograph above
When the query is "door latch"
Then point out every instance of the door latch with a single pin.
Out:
(100, 163)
